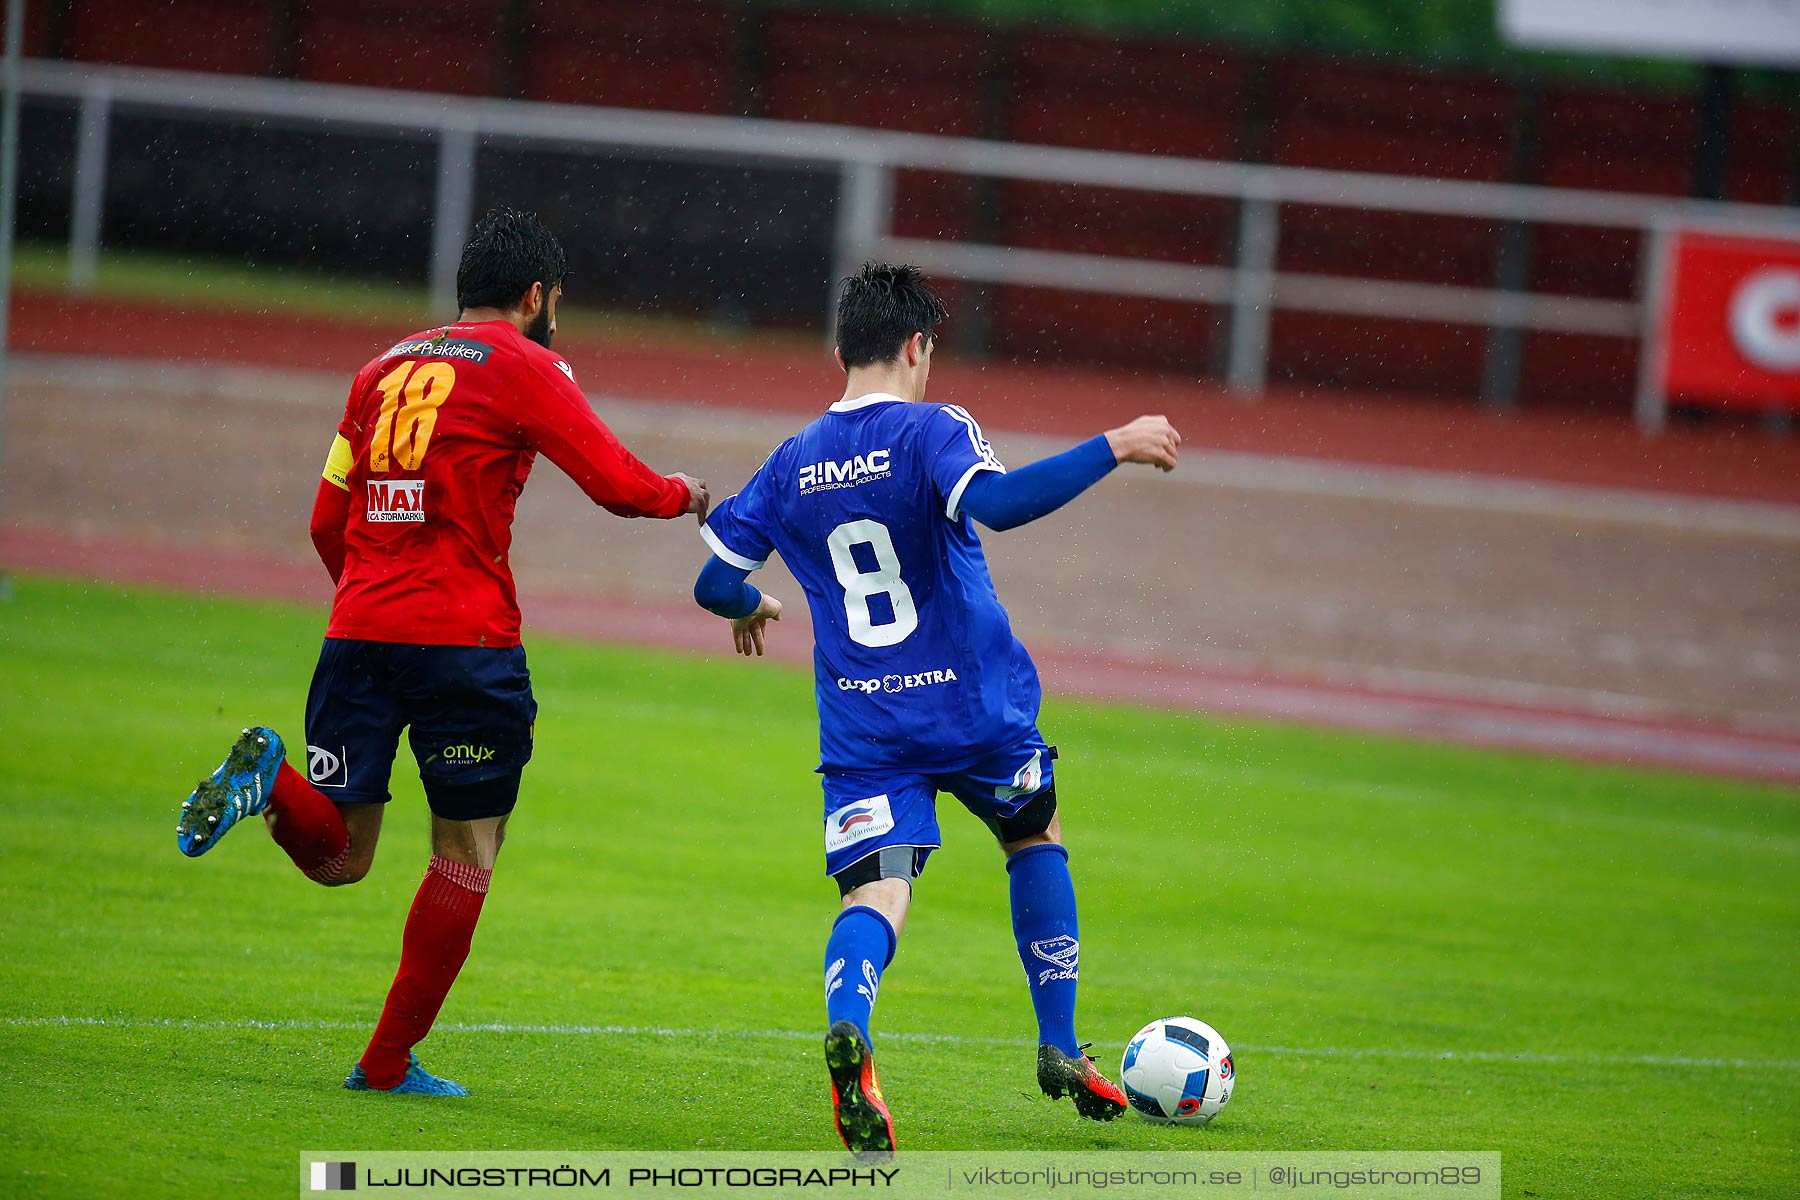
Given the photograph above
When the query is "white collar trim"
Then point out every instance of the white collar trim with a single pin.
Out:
(844, 406)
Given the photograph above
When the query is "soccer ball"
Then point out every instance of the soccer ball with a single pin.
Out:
(1177, 1071)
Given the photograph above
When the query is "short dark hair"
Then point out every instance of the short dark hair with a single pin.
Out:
(879, 308)
(506, 253)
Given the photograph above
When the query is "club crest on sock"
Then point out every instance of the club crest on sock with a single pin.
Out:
(1063, 953)
(832, 982)
(871, 984)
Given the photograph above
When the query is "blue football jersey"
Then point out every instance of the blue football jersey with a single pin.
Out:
(917, 666)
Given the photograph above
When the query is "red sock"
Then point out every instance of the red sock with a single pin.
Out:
(438, 931)
(308, 826)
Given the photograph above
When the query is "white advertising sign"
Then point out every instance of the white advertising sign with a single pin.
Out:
(1706, 31)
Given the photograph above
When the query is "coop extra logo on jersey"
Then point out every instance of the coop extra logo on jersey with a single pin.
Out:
(393, 500)
(864, 468)
(896, 683)
(854, 822)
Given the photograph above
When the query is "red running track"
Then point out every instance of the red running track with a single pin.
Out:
(1723, 460)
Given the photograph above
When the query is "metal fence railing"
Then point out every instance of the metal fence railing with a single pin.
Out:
(866, 161)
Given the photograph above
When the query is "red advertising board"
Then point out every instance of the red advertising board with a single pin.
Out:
(1730, 329)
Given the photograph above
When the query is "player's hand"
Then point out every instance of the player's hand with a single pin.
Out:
(747, 632)
(1149, 440)
(699, 499)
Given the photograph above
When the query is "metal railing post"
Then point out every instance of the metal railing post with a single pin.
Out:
(10, 100)
(93, 134)
(1252, 294)
(1652, 406)
(864, 212)
(454, 212)
(1503, 359)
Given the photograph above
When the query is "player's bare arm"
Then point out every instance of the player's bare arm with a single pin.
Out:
(1148, 440)
(699, 499)
(747, 631)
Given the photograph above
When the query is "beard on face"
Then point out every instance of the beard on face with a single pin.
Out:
(539, 329)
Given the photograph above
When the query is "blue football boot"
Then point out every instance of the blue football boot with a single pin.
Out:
(238, 789)
(418, 1082)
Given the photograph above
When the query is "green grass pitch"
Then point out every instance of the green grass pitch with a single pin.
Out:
(1591, 970)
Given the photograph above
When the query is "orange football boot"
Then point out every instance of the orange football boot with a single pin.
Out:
(1096, 1097)
(856, 1104)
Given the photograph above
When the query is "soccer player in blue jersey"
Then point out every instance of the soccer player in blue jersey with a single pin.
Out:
(921, 685)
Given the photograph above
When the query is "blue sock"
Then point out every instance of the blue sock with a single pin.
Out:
(859, 949)
(1043, 913)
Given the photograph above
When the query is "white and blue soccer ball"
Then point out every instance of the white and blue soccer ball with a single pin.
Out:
(1177, 1071)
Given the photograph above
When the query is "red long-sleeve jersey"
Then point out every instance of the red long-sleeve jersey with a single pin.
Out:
(414, 516)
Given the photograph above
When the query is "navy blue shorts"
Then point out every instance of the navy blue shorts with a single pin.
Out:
(468, 711)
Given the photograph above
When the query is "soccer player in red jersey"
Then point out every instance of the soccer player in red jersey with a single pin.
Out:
(414, 520)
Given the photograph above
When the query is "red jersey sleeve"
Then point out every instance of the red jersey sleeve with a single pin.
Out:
(331, 506)
(558, 422)
(331, 512)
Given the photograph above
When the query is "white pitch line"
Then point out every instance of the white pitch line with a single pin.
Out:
(956, 1039)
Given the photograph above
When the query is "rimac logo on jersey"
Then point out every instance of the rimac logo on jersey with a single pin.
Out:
(864, 468)
(854, 822)
(393, 500)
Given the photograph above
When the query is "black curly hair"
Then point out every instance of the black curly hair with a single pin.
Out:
(506, 253)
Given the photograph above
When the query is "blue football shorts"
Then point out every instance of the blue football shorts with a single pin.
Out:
(870, 811)
(468, 711)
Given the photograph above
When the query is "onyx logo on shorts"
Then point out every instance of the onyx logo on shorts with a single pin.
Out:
(396, 500)
(326, 769)
(466, 755)
(854, 822)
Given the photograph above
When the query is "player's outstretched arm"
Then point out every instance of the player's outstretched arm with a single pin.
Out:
(559, 423)
(1007, 501)
(724, 590)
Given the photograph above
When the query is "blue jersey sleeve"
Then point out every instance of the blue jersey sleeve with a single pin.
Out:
(955, 451)
(721, 590)
(741, 529)
(1008, 501)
